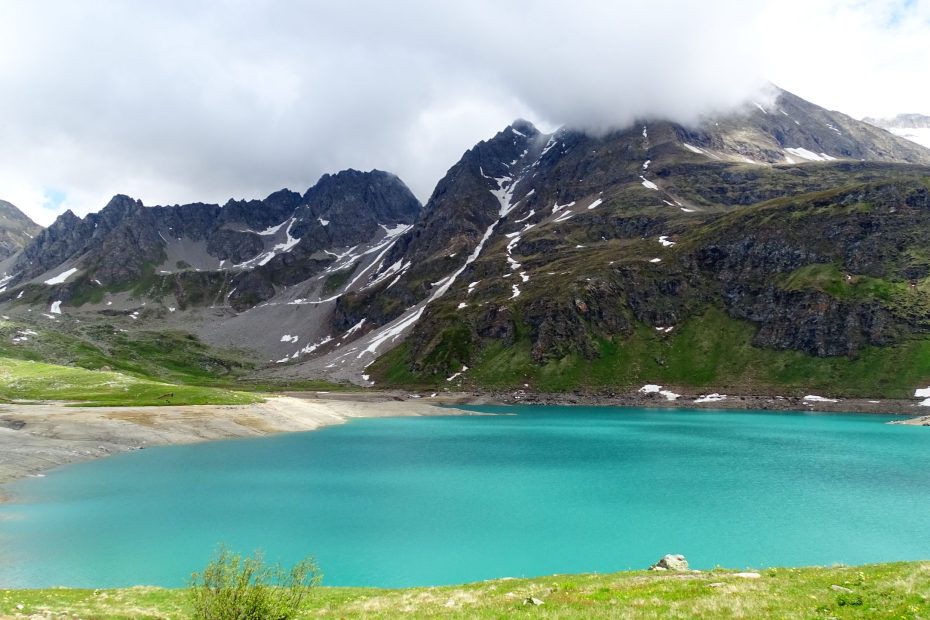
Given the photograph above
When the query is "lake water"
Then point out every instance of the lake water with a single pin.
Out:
(416, 501)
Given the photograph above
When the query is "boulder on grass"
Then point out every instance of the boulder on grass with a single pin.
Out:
(675, 562)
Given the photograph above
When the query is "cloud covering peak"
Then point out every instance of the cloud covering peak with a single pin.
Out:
(177, 101)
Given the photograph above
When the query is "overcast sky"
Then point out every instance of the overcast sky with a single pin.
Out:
(180, 101)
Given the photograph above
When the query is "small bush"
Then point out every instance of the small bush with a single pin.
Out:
(845, 600)
(233, 587)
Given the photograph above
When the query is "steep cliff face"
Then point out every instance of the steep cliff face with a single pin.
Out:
(829, 274)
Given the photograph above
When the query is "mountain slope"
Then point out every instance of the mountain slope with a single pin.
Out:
(16, 229)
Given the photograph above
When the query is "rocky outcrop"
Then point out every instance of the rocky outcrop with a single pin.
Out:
(671, 562)
(870, 232)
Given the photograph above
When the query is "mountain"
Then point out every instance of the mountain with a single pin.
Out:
(156, 264)
(777, 247)
(539, 255)
(914, 127)
(16, 229)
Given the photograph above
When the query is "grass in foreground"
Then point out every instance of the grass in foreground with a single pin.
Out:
(28, 380)
(900, 590)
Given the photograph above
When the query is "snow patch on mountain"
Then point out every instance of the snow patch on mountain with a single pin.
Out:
(809, 155)
(62, 277)
(270, 230)
(286, 246)
(657, 389)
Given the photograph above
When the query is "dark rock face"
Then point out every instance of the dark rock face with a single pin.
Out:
(871, 231)
(497, 324)
(559, 329)
(462, 206)
(124, 254)
(234, 246)
(260, 214)
(814, 322)
(251, 288)
(453, 222)
(69, 237)
(356, 204)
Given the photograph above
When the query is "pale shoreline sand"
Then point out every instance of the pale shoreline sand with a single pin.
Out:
(35, 438)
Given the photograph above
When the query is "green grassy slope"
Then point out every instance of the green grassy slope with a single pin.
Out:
(29, 380)
(171, 356)
(708, 351)
(898, 590)
(168, 356)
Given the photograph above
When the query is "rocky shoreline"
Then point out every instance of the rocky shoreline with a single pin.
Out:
(686, 399)
(727, 402)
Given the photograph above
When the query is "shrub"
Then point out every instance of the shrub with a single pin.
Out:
(233, 587)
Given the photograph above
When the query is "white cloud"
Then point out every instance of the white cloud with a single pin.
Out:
(864, 58)
(177, 102)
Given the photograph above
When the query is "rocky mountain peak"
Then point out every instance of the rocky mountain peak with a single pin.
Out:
(122, 201)
(376, 195)
(524, 127)
(65, 219)
(283, 196)
(16, 229)
(9, 212)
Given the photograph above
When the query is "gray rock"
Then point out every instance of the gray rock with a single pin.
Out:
(671, 562)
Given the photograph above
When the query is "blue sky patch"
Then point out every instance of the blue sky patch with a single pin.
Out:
(53, 198)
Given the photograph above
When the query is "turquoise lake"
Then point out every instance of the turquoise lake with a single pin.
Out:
(428, 501)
